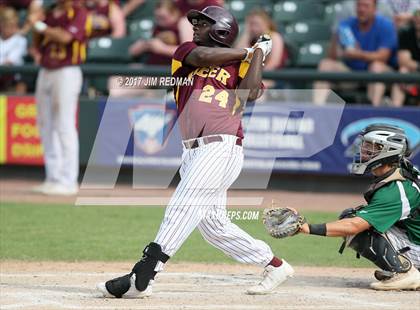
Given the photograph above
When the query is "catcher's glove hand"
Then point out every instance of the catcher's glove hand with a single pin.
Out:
(282, 222)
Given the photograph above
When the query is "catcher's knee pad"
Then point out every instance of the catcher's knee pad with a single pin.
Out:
(376, 248)
(145, 268)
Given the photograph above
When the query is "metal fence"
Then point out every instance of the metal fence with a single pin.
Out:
(92, 70)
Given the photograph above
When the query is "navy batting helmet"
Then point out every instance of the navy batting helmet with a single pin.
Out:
(224, 29)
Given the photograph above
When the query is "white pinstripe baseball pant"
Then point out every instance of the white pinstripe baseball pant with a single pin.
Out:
(200, 201)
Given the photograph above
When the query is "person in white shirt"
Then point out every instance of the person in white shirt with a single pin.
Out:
(13, 48)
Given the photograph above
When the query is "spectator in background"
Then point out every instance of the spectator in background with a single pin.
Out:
(367, 42)
(61, 40)
(258, 22)
(12, 50)
(32, 7)
(408, 59)
(186, 31)
(398, 10)
(165, 38)
(348, 7)
(107, 18)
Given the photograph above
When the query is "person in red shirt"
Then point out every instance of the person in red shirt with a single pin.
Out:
(107, 18)
(165, 38)
(61, 41)
(158, 49)
(209, 113)
(257, 23)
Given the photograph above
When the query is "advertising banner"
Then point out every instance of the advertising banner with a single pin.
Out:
(19, 135)
(287, 137)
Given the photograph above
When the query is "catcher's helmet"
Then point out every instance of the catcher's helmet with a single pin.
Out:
(224, 27)
(377, 145)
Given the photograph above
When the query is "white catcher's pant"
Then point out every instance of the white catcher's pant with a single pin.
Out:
(57, 94)
(200, 201)
(399, 240)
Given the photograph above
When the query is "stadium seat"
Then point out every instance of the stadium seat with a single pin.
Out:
(109, 50)
(310, 54)
(48, 3)
(306, 32)
(140, 29)
(241, 8)
(331, 10)
(297, 10)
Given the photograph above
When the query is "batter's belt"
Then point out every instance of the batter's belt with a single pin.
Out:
(194, 143)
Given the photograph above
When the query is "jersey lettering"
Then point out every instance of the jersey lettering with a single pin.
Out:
(218, 73)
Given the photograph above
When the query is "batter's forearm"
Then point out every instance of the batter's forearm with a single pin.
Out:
(253, 77)
(214, 56)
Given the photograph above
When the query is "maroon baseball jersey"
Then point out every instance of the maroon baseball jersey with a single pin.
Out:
(169, 35)
(209, 106)
(56, 55)
(184, 6)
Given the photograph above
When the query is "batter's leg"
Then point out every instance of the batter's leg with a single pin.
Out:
(195, 194)
(219, 231)
(49, 137)
(197, 191)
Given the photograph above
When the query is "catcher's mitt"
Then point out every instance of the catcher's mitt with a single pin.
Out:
(282, 222)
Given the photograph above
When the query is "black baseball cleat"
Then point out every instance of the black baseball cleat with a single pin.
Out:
(123, 287)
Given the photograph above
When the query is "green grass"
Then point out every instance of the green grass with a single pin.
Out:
(69, 233)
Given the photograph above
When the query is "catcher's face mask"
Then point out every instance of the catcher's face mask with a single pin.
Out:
(364, 152)
(376, 146)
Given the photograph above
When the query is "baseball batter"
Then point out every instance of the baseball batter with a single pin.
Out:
(61, 41)
(210, 124)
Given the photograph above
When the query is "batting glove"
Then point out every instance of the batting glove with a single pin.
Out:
(265, 44)
(249, 54)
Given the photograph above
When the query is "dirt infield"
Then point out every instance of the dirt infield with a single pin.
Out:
(49, 285)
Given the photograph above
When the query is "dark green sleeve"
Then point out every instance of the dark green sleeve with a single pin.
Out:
(385, 208)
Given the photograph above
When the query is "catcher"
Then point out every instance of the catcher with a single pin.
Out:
(386, 230)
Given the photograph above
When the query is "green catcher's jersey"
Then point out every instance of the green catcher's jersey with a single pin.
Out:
(392, 203)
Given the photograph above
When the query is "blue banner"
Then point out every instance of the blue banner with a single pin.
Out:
(298, 138)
